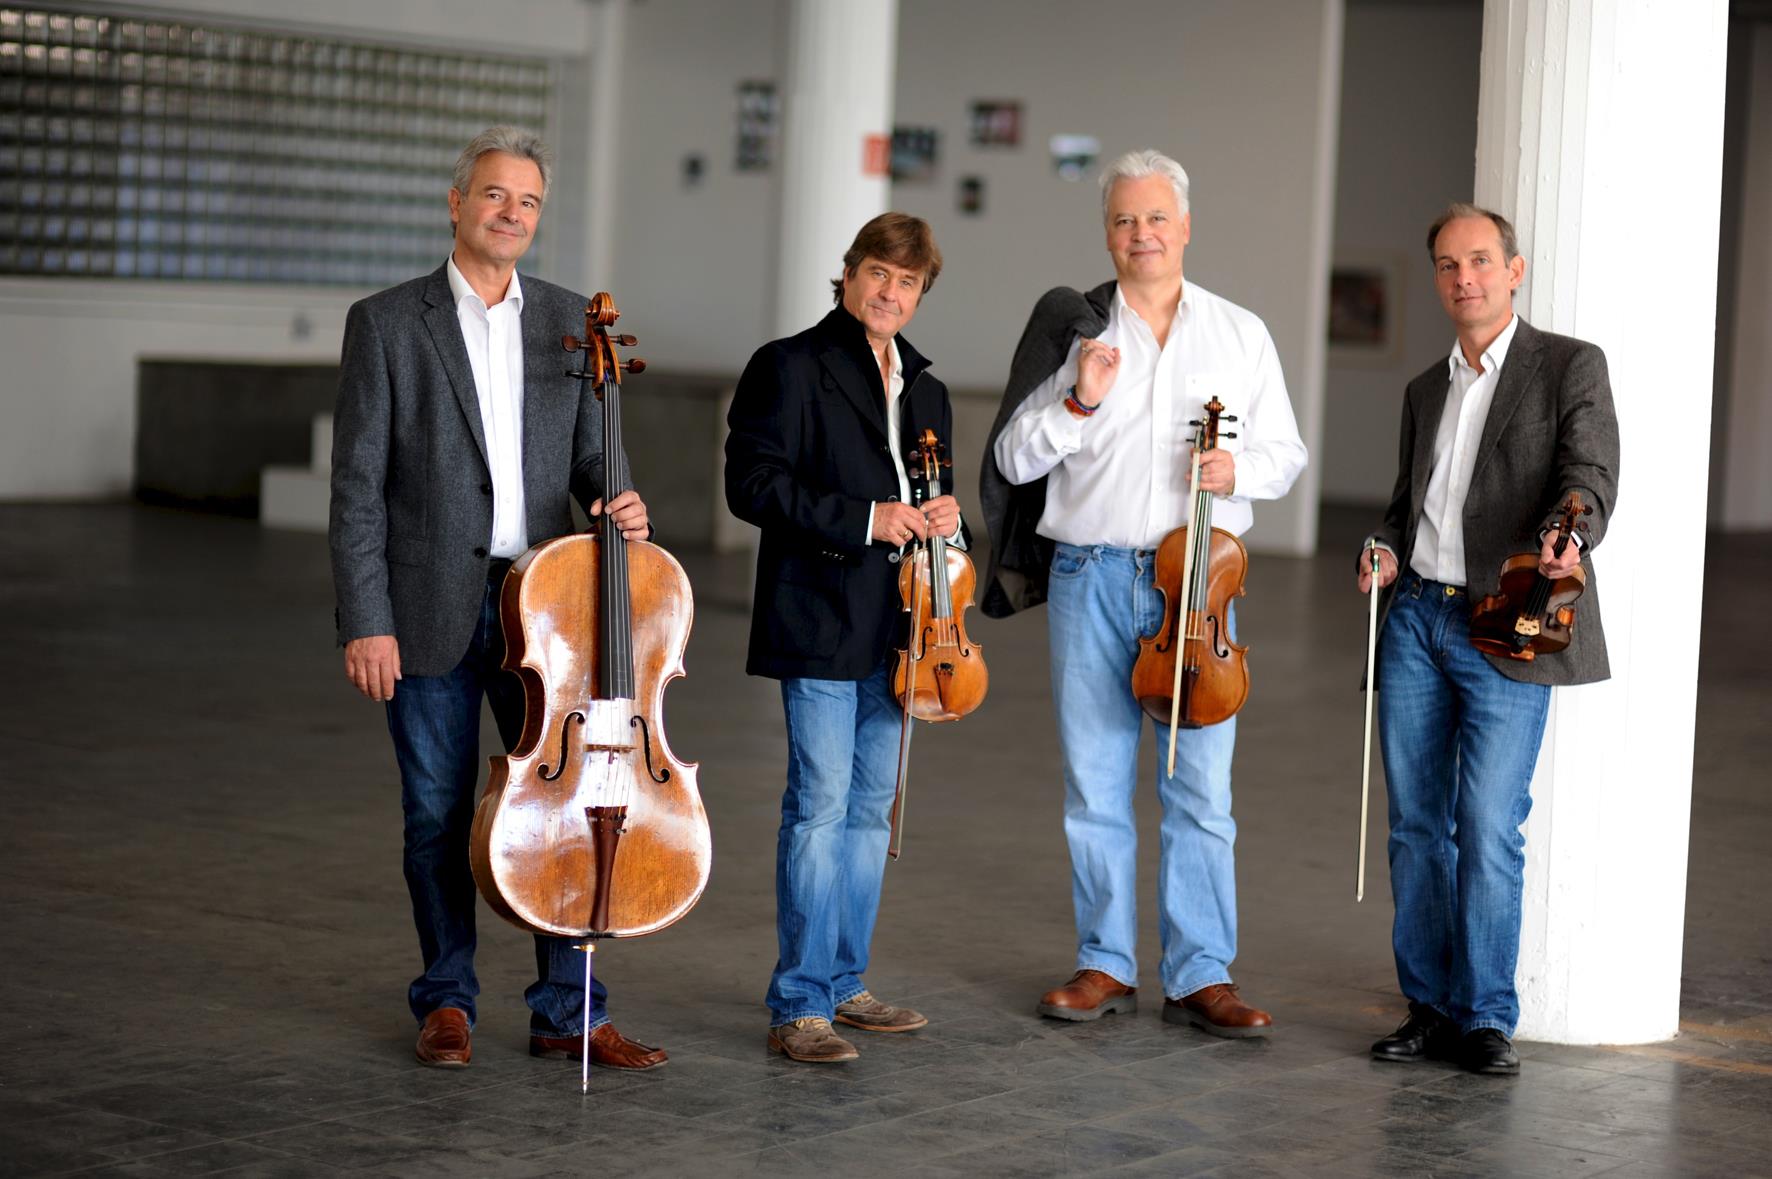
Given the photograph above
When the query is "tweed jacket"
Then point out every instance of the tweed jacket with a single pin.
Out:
(1550, 430)
(411, 514)
(806, 458)
(1020, 557)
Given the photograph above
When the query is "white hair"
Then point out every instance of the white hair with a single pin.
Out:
(513, 141)
(1136, 165)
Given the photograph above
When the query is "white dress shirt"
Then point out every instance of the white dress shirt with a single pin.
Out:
(1438, 554)
(1120, 476)
(894, 420)
(494, 336)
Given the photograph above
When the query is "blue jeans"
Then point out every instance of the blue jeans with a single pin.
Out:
(831, 853)
(435, 722)
(1460, 741)
(1100, 603)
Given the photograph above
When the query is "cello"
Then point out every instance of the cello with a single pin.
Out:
(939, 675)
(1190, 672)
(591, 827)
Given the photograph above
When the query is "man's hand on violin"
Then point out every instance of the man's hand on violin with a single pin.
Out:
(373, 664)
(1553, 566)
(942, 514)
(1218, 471)
(1097, 366)
(628, 512)
(1387, 569)
(896, 524)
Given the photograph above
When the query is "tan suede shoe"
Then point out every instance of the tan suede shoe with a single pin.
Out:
(870, 1015)
(812, 1040)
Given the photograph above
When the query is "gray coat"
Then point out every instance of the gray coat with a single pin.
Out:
(1550, 430)
(411, 486)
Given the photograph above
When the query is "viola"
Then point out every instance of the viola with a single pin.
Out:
(592, 827)
(1189, 671)
(1530, 614)
(939, 675)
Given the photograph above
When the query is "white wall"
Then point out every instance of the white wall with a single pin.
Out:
(695, 265)
(67, 388)
(1745, 464)
(1408, 139)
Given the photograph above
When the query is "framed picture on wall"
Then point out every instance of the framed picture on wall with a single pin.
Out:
(914, 154)
(1365, 308)
(996, 122)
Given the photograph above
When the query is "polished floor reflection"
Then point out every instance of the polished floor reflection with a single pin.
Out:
(207, 939)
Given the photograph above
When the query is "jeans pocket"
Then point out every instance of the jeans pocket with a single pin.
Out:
(1068, 561)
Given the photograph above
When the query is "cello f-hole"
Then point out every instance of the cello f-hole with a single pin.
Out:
(561, 767)
(656, 774)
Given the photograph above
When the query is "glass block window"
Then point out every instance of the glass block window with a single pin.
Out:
(133, 147)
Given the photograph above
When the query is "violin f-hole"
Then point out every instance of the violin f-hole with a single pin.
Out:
(561, 767)
(1218, 644)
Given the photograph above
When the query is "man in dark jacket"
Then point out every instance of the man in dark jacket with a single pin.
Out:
(1495, 437)
(456, 443)
(819, 427)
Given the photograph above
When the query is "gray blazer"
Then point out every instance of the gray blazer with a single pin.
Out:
(1551, 430)
(411, 486)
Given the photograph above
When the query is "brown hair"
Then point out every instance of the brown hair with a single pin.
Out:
(897, 238)
(1510, 243)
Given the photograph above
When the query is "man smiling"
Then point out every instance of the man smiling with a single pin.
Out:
(1086, 471)
(820, 424)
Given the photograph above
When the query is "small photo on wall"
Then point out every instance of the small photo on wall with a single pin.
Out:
(759, 113)
(970, 196)
(914, 152)
(996, 122)
(1074, 156)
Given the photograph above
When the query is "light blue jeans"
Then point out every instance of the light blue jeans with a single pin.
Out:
(831, 852)
(1460, 741)
(1101, 601)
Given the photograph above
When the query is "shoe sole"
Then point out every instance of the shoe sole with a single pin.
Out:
(569, 1054)
(781, 1049)
(877, 1027)
(1213, 1029)
(1123, 1004)
(441, 1063)
(1418, 1058)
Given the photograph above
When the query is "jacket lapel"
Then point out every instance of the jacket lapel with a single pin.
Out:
(1517, 372)
(452, 353)
(1427, 429)
(848, 375)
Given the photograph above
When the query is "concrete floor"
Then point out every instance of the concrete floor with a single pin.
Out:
(207, 940)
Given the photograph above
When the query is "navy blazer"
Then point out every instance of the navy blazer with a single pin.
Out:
(806, 458)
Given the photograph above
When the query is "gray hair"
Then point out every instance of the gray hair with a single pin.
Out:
(1510, 242)
(513, 141)
(1136, 165)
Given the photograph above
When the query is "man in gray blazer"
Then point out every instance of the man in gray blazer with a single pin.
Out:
(1494, 439)
(456, 443)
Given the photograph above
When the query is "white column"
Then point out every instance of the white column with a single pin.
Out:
(604, 131)
(842, 59)
(1600, 130)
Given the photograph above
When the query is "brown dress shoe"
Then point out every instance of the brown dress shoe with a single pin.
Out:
(444, 1040)
(1218, 1010)
(870, 1015)
(811, 1039)
(1089, 995)
(609, 1049)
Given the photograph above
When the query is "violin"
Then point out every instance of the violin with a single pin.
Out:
(939, 674)
(592, 827)
(1190, 672)
(1530, 614)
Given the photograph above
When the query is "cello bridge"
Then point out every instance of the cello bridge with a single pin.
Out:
(1524, 625)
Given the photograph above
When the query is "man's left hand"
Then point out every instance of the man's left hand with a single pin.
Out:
(629, 513)
(1218, 472)
(943, 515)
(1553, 566)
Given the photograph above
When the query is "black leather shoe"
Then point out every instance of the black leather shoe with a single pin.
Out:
(1488, 1051)
(1425, 1035)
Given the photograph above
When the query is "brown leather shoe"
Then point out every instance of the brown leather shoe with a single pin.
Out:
(870, 1015)
(609, 1049)
(1089, 995)
(811, 1039)
(1218, 1010)
(444, 1041)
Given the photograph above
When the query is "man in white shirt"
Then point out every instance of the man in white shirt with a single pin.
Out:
(1494, 438)
(456, 443)
(1088, 468)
